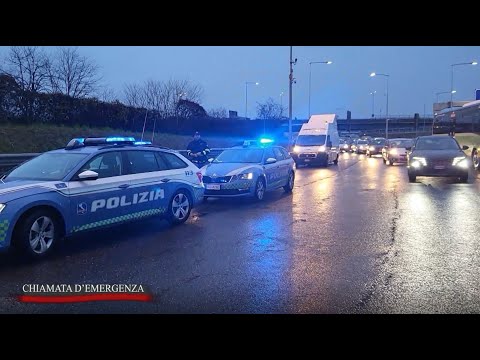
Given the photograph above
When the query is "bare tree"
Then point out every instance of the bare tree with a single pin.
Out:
(270, 110)
(72, 74)
(107, 94)
(134, 95)
(220, 113)
(29, 66)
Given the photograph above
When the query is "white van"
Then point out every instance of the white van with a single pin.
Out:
(318, 141)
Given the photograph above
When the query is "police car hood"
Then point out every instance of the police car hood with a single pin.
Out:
(10, 190)
(227, 169)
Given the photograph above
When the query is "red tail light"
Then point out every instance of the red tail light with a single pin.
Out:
(200, 177)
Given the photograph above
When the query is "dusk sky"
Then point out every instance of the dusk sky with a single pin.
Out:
(416, 74)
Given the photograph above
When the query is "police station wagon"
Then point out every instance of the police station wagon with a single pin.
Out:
(93, 183)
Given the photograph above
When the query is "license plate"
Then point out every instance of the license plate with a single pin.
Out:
(439, 167)
(213, 187)
(307, 160)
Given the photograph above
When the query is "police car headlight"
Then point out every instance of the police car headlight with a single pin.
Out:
(246, 176)
(2, 206)
(419, 160)
(460, 161)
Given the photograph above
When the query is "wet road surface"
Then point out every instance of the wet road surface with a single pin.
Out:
(352, 238)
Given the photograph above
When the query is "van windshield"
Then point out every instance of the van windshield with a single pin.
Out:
(307, 140)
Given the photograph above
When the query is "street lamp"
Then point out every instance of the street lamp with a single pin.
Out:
(451, 79)
(445, 92)
(373, 102)
(310, 81)
(373, 74)
(281, 104)
(246, 94)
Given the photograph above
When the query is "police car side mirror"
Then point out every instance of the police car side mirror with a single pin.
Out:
(88, 175)
(210, 160)
(270, 161)
(465, 147)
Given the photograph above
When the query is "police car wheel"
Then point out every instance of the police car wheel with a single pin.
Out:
(291, 181)
(179, 208)
(38, 234)
(335, 162)
(259, 190)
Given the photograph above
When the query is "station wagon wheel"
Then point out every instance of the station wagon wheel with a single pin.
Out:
(259, 190)
(38, 233)
(180, 207)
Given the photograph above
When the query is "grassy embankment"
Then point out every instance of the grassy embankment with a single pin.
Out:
(40, 138)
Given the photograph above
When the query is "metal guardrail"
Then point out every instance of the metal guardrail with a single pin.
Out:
(9, 161)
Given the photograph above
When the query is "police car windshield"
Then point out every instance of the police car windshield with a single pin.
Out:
(46, 167)
(251, 156)
(307, 140)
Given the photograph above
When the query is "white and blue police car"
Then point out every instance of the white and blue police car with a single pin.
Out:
(249, 170)
(90, 184)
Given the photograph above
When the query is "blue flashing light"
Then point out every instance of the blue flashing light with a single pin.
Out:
(142, 143)
(119, 139)
(81, 140)
(266, 141)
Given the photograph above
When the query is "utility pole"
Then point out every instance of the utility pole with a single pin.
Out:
(291, 80)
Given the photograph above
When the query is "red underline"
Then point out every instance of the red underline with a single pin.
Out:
(84, 298)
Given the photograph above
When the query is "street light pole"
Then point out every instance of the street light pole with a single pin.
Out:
(281, 104)
(387, 113)
(445, 92)
(373, 103)
(290, 88)
(310, 81)
(246, 94)
(451, 78)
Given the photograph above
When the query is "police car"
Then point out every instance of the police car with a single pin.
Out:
(249, 170)
(93, 183)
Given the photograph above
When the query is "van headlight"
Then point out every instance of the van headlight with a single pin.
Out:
(2, 206)
(296, 149)
(371, 148)
(246, 176)
(322, 148)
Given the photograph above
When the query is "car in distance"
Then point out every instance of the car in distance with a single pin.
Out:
(90, 184)
(395, 151)
(249, 171)
(345, 145)
(361, 146)
(375, 147)
(438, 156)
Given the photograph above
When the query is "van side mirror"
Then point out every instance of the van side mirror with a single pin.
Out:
(408, 148)
(465, 147)
(329, 144)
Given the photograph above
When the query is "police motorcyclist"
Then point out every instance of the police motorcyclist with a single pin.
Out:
(198, 150)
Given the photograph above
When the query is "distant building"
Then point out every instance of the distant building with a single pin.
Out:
(232, 114)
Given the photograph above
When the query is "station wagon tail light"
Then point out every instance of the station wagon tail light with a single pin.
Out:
(200, 176)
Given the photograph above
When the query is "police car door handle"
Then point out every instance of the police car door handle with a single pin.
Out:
(124, 186)
(165, 180)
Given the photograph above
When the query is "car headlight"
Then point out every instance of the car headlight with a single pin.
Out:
(461, 161)
(322, 148)
(246, 176)
(2, 206)
(419, 160)
(394, 151)
(345, 146)
(371, 148)
(296, 149)
(458, 160)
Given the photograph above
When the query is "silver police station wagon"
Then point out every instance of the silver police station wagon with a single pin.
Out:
(249, 170)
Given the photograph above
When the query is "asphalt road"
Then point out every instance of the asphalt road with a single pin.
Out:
(352, 238)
